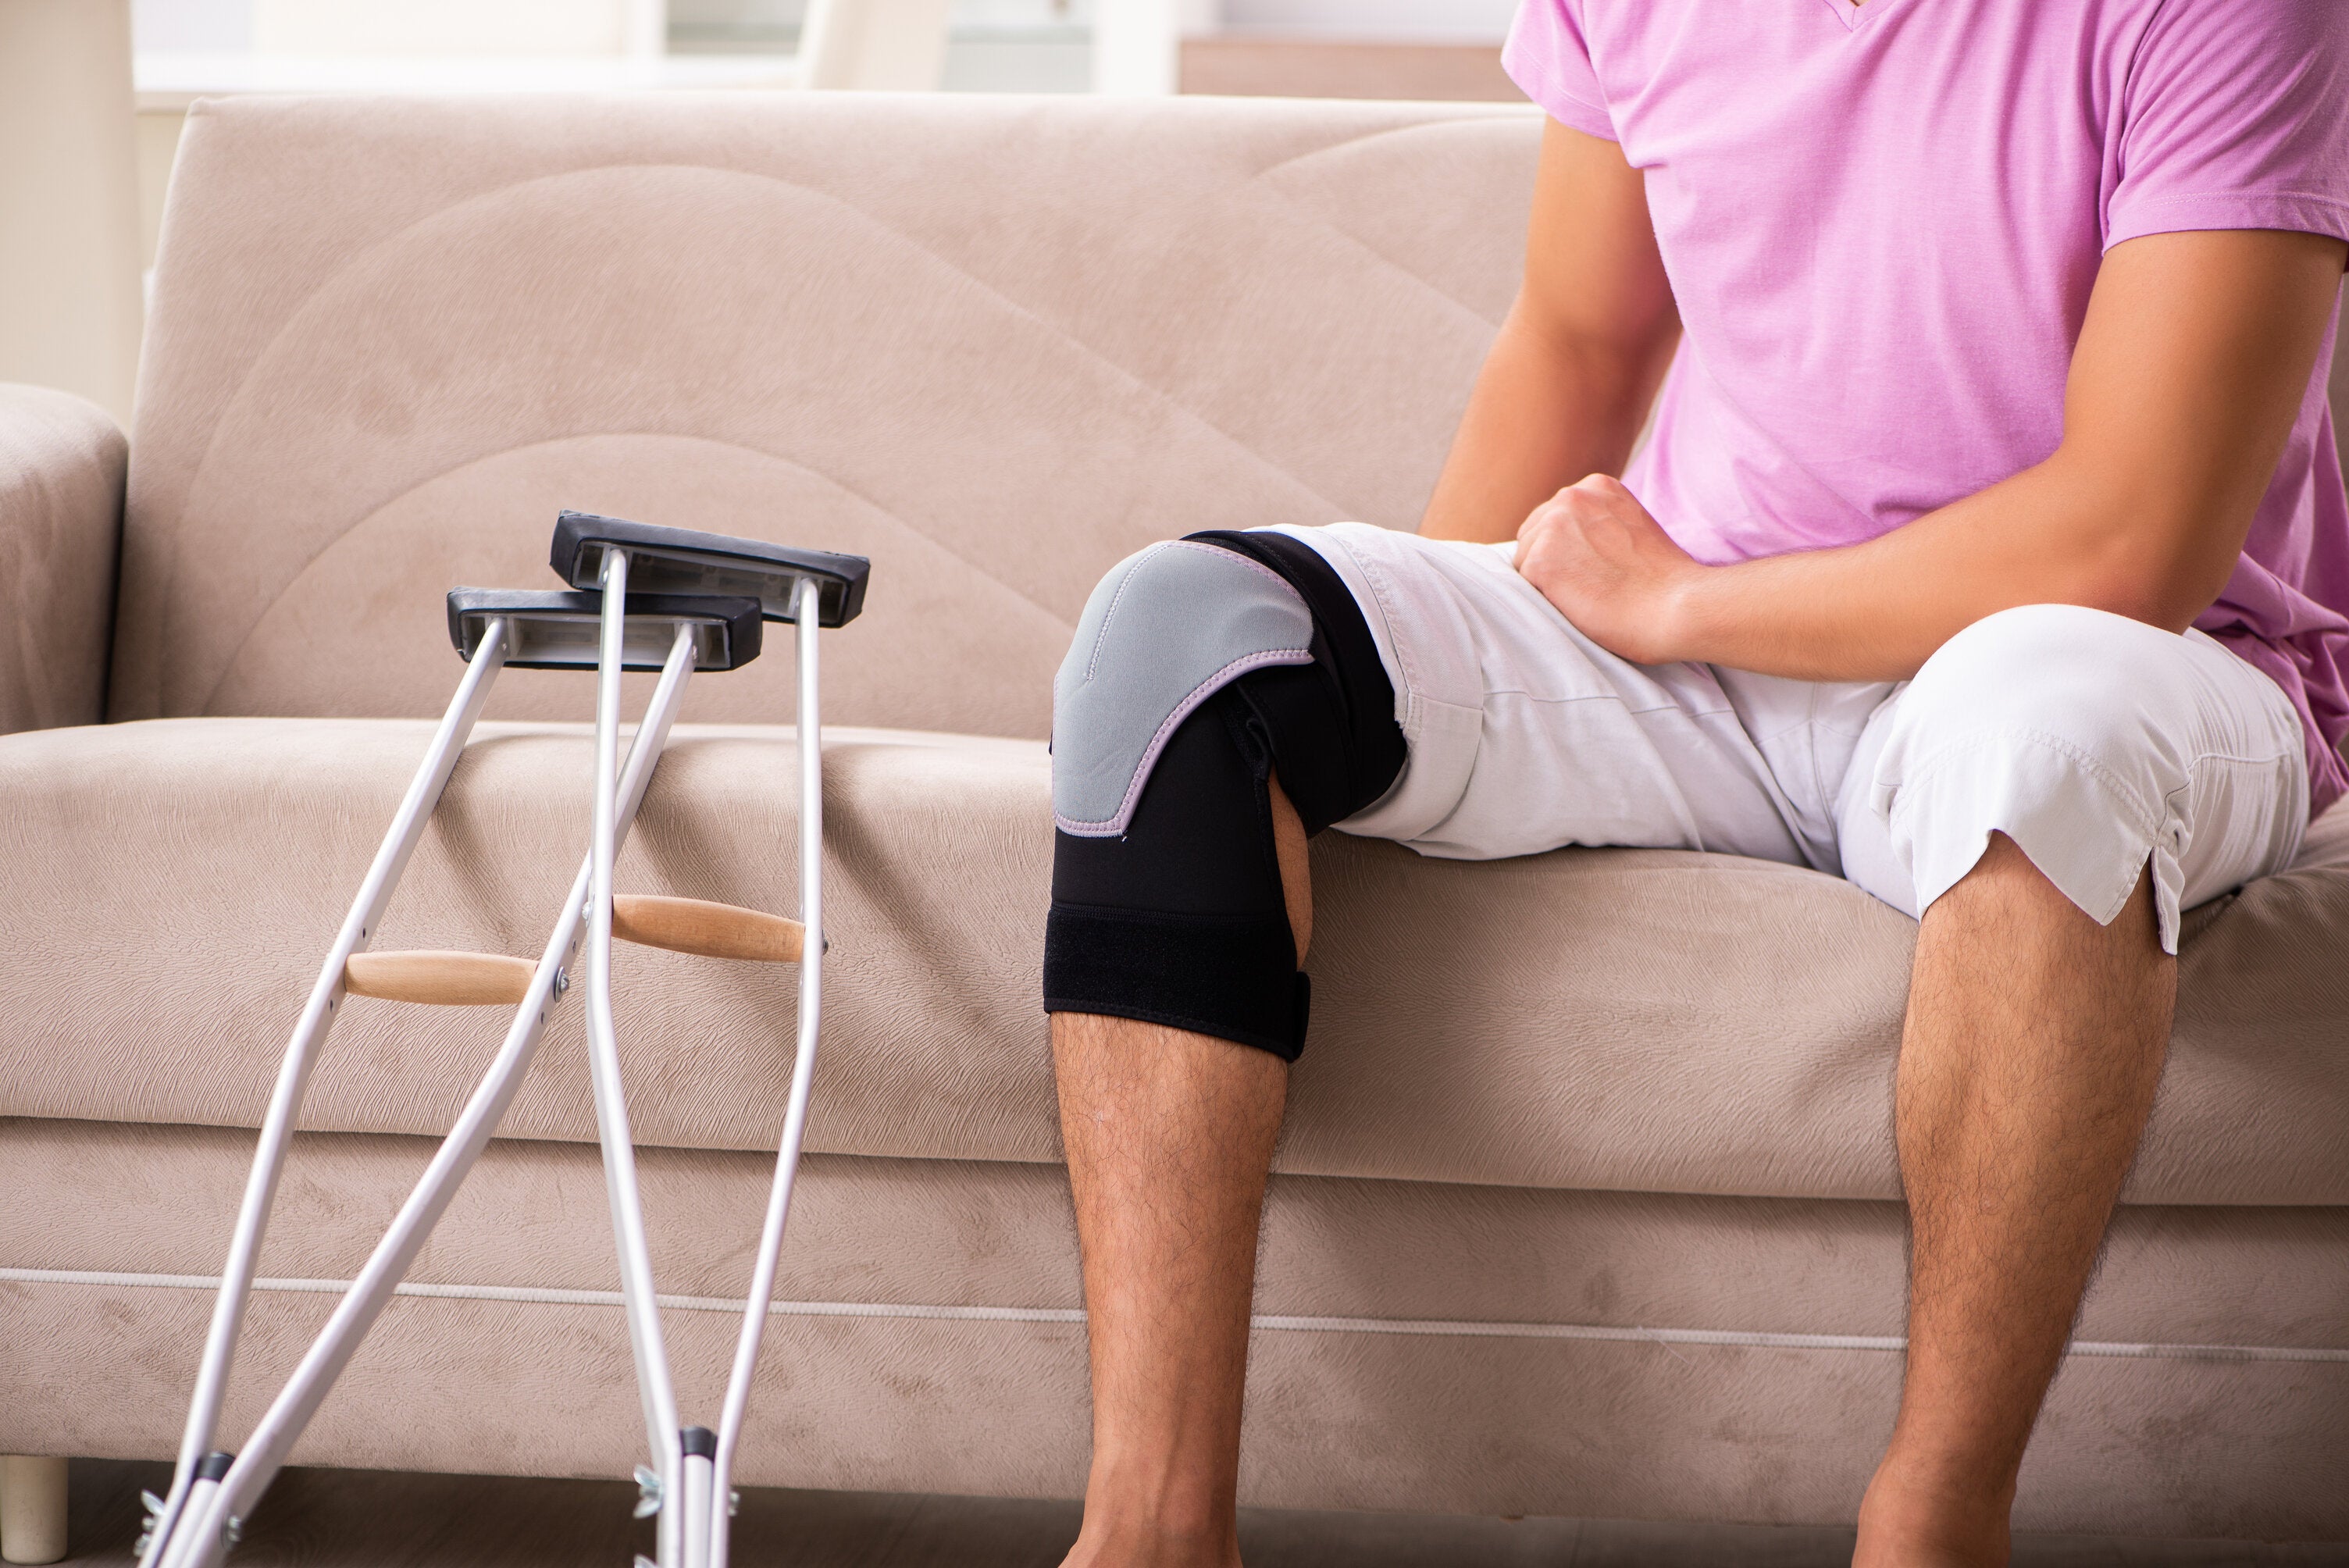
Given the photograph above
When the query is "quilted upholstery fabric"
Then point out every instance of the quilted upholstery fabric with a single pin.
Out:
(995, 347)
(1537, 1022)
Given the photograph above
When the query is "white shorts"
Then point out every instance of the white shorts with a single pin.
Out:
(2096, 743)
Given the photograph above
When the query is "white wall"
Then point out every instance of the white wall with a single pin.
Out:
(389, 27)
(71, 311)
(1464, 21)
(197, 26)
(412, 27)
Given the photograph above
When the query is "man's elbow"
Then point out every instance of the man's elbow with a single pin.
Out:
(2163, 572)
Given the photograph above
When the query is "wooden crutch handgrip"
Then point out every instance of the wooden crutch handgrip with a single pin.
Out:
(711, 930)
(446, 979)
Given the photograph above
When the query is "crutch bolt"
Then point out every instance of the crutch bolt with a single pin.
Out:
(562, 981)
(649, 1493)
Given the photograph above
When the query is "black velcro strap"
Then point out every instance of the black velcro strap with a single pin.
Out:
(1331, 724)
(1232, 976)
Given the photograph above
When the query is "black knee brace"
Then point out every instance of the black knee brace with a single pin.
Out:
(1180, 920)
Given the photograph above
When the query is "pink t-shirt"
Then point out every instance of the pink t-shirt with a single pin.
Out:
(1882, 225)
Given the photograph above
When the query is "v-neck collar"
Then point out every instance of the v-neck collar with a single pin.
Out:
(1854, 18)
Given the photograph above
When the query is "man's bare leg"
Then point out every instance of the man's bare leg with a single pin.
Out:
(2034, 1042)
(1169, 1137)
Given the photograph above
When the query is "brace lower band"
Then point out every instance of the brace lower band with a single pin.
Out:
(1179, 918)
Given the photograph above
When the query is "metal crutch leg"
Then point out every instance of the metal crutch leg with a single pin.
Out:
(292, 1080)
(654, 1389)
(199, 1519)
(690, 1486)
(721, 1502)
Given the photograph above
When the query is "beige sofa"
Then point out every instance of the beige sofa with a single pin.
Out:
(1587, 1203)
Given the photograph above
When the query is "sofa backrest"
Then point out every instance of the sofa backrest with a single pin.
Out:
(995, 343)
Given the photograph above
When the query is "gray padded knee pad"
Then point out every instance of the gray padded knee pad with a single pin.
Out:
(1164, 631)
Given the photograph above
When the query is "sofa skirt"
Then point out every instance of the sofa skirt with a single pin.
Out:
(1418, 1346)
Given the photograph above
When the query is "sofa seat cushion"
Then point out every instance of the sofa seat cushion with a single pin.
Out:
(1601, 1019)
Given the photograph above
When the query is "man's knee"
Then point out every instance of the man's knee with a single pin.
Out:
(1164, 631)
(1199, 668)
(2047, 723)
(2061, 675)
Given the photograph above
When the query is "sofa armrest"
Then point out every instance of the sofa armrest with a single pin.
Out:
(62, 462)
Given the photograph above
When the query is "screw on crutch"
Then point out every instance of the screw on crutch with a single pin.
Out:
(688, 1487)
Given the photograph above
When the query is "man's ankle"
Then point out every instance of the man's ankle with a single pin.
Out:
(1108, 1541)
(1928, 1513)
(1145, 1509)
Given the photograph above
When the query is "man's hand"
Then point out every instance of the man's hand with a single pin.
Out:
(1610, 569)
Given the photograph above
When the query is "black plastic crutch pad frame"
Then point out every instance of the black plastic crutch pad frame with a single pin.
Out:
(680, 560)
(561, 630)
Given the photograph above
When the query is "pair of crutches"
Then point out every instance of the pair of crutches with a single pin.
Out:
(644, 598)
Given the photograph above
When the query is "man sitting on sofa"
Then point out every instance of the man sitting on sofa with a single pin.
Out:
(1990, 551)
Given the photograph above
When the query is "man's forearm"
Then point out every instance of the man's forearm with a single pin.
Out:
(1878, 611)
(2070, 531)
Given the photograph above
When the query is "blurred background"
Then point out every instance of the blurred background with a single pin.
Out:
(991, 46)
(93, 94)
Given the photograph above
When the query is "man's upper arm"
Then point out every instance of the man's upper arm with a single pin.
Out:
(1594, 278)
(2195, 357)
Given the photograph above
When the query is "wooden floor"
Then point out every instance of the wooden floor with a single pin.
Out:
(351, 1519)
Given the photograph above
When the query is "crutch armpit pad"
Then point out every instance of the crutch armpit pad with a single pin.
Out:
(548, 630)
(663, 560)
(1164, 631)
